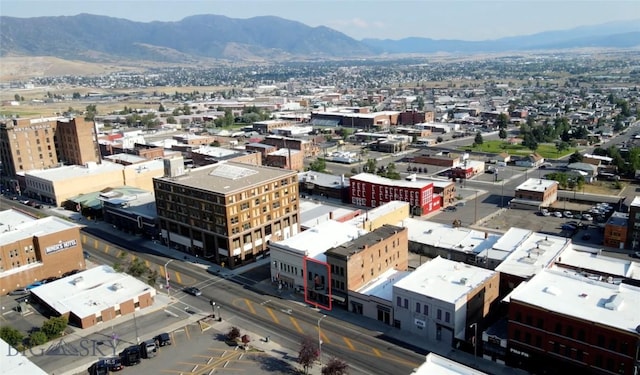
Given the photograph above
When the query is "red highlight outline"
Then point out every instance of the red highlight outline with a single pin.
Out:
(306, 297)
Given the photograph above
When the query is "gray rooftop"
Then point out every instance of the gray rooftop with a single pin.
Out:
(228, 177)
(356, 245)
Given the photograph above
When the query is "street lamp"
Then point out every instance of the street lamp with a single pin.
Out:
(213, 307)
(320, 341)
(475, 339)
(219, 316)
(166, 275)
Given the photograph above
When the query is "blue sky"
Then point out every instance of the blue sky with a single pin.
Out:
(389, 19)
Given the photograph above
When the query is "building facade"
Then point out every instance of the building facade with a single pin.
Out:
(535, 193)
(35, 249)
(28, 144)
(227, 212)
(370, 190)
(633, 225)
(615, 230)
(355, 263)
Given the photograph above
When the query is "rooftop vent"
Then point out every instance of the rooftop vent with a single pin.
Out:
(78, 280)
(116, 286)
(552, 290)
(614, 303)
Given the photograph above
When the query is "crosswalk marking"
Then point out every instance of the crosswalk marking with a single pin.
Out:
(273, 316)
(250, 306)
(296, 325)
(349, 344)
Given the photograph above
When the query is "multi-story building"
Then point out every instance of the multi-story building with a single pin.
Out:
(286, 158)
(564, 323)
(34, 249)
(371, 190)
(356, 262)
(309, 148)
(227, 212)
(441, 299)
(535, 193)
(28, 144)
(615, 230)
(633, 225)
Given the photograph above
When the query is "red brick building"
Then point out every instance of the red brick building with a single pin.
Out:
(370, 190)
(561, 323)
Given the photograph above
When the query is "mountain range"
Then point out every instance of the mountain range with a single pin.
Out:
(106, 39)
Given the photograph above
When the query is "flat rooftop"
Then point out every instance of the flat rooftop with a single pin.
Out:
(92, 291)
(569, 294)
(346, 249)
(315, 241)
(529, 252)
(34, 228)
(578, 257)
(228, 177)
(536, 184)
(125, 158)
(284, 152)
(313, 213)
(323, 179)
(15, 362)
(382, 286)
(447, 237)
(217, 152)
(375, 179)
(438, 365)
(10, 218)
(444, 279)
(69, 172)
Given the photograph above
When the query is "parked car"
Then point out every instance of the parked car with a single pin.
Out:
(586, 236)
(99, 368)
(568, 214)
(568, 227)
(193, 291)
(163, 339)
(114, 363)
(557, 214)
(545, 212)
(19, 292)
(587, 217)
(636, 254)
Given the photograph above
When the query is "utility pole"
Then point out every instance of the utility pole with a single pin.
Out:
(320, 341)
(166, 276)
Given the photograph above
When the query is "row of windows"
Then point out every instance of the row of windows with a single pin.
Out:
(423, 309)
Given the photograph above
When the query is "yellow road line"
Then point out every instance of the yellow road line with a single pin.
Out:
(106, 248)
(376, 352)
(84, 239)
(273, 316)
(323, 336)
(173, 338)
(147, 263)
(178, 278)
(295, 324)
(186, 331)
(349, 344)
(95, 244)
(162, 272)
(250, 306)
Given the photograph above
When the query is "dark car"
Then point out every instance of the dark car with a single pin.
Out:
(99, 368)
(193, 291)
(19, 292)
(163, 339)
(114, 363)
(586, 236)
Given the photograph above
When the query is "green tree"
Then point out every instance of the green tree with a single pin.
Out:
(37, 338)
(53, 327)
(502, 134)
(370, 166)
(16, 97)
(171, 120)
(439, 139)
(391, 172)
(478, 139)
(420, 103)
(503, 121)
(318, 165)
(11, 335)
(137, 268)
(90, 112)
(576, 157)
(76, 95)
(153, 276)
(161, 108)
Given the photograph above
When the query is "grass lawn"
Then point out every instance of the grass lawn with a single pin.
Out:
(547, 150)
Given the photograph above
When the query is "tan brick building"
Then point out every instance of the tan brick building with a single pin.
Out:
(286, 158)
(34, 249)
(28, 144)
(355, 263)
(228, 212)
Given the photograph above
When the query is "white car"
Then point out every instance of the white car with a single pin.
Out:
(557, 214)
(568, 214)
(587, 217)
(545, 213)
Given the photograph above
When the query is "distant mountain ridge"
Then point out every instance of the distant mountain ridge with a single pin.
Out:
(106, 39)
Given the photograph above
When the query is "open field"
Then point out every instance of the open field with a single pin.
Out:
(547, 150)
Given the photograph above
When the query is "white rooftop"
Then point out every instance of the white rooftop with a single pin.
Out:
(32, 228)
(438, 365)
(566, 293)
(92, 291)
(218, 152)
(590, 259)
(14, 362)
(375, 179)
(536, 184)
(129, 158)
(324, 236)
(313, 213)
(70, 172)
(284, 152)
(447, 237)
(9, 219)
(444, 279)
(382, 286)
(378, 212)
(636, 201)
(530, 252)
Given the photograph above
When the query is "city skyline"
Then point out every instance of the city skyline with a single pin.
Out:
(390, 19)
